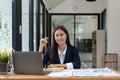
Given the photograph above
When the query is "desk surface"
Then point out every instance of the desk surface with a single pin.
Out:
(45, 77)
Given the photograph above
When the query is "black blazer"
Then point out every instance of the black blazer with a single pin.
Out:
(71, 55)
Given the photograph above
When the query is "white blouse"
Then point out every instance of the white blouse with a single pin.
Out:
(62, 58)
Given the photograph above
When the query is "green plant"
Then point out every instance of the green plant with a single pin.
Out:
(5, 56)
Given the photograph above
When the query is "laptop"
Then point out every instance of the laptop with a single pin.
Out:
(28, 63)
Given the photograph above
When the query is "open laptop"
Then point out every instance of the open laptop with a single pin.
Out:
(28, 63)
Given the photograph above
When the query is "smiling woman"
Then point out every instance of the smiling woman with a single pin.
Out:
(61, 53)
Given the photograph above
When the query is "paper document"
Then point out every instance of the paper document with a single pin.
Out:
(84, 72)
(64, 73)
(95, 72)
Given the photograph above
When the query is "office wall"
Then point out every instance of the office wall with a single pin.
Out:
(113, 28)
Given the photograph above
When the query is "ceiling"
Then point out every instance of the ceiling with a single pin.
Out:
(52, 3)
(69, 5)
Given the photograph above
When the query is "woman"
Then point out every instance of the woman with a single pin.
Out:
(61, 53)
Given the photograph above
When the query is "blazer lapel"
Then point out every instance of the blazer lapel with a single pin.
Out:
(67, 54)
(57, 59)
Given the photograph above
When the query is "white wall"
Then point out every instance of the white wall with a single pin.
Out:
(113, 28)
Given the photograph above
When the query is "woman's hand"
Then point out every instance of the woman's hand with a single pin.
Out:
(43, 42)
(57, 66)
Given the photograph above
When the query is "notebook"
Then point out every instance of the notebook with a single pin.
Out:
(28, 63)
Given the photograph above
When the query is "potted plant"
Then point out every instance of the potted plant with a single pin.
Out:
(5, 56)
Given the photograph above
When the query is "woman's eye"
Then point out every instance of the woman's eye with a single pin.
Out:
(61, 34)
(56, 35)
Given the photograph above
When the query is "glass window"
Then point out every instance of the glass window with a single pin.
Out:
(5, 24)
(67, 21)
(80, 28)
(25, 25)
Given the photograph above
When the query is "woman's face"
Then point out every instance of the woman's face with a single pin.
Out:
(60, 37)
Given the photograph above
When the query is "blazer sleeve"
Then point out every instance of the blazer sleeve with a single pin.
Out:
(76, 59)
(46, 57)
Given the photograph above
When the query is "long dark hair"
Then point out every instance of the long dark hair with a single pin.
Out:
(54, 46)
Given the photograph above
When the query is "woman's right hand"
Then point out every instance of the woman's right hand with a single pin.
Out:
(43, 42)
